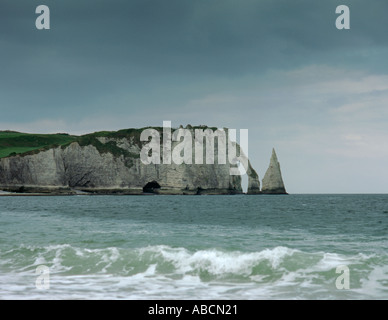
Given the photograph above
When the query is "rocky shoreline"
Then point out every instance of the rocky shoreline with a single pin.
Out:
(52, 191)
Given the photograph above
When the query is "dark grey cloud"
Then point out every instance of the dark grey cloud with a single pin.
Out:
(161, 52)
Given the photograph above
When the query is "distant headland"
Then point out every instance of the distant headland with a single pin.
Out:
(109, 162)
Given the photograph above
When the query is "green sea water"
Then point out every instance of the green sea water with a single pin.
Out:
(194, 247)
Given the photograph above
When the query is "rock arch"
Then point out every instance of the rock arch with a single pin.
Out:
(151, 187)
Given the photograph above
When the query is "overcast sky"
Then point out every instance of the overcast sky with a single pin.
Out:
(278, 68)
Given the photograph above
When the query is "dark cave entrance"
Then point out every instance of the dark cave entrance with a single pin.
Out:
(151, 186)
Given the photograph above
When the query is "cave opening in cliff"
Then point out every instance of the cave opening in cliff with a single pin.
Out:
(151, 187)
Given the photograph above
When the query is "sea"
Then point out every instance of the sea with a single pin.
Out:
(244, 247)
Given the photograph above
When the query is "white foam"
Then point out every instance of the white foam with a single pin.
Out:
(219, 262)
(164, 272)
(375, 285)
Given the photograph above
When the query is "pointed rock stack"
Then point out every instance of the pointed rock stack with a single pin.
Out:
(272, 182)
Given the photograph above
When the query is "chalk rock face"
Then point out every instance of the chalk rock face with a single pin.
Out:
(253, 181)
(273, 182)
(111, 163)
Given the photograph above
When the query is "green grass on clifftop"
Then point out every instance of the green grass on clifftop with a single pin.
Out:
(12, 143)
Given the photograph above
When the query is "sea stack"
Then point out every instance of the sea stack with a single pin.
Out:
(272, 182)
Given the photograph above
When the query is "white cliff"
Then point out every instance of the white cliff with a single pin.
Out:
(272, 182)
(110, 163)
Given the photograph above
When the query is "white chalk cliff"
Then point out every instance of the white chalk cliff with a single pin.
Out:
(272, 182)
(109, 163)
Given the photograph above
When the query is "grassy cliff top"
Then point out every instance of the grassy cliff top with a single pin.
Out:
(13, 143)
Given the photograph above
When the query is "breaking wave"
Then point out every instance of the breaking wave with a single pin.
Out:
(164, 272)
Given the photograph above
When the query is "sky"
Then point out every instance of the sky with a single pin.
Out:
(279, 68)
